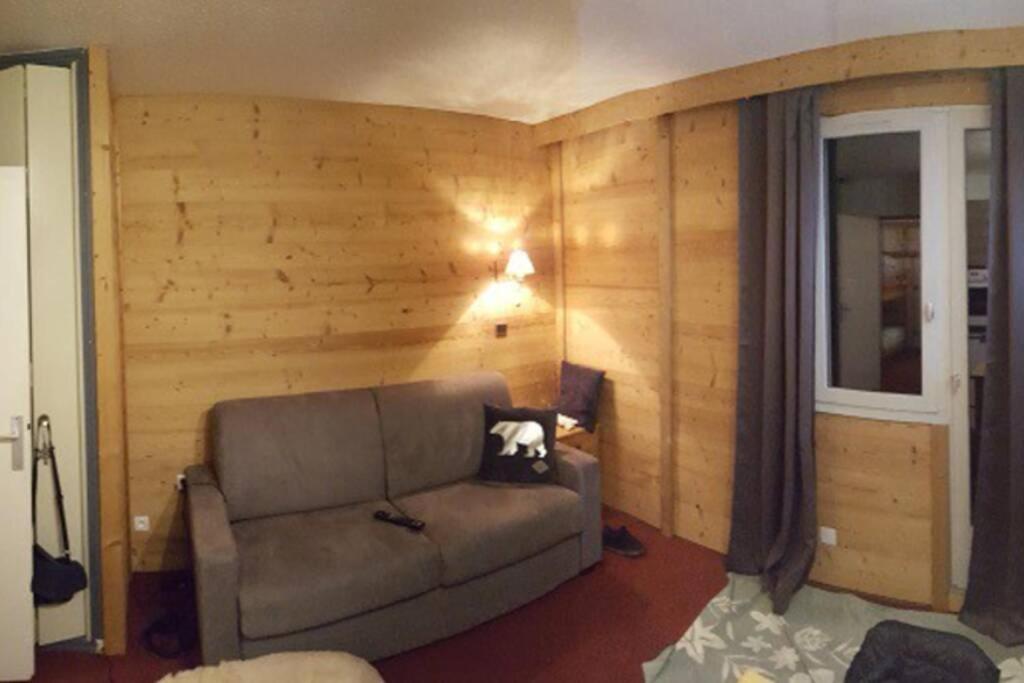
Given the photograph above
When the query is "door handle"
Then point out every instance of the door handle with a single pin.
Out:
(17, 440)
(929, 312)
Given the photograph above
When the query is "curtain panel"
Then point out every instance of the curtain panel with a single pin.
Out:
(994, 604)
(774, 518)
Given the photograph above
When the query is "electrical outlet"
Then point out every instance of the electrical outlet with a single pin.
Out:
(179, 482)
(140, 522)
(828, 535)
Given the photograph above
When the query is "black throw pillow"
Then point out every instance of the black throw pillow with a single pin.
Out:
(579, 393)
(519, 445)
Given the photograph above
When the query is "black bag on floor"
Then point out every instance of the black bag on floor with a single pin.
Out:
(55, 580)
(894, 652)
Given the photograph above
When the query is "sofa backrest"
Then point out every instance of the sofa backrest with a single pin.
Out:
(297, 453)
(433, 431)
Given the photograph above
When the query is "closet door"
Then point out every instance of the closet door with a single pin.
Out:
(17, 623)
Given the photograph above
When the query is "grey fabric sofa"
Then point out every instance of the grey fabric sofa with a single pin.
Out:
(287, 555)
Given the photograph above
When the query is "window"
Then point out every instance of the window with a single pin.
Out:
(883, 266)
(874, 258)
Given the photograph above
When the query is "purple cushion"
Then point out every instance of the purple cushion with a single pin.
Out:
(579, 393)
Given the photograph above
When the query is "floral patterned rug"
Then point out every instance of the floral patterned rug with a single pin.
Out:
(813, 643)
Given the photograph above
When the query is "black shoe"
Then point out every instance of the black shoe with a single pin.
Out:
(622, 542)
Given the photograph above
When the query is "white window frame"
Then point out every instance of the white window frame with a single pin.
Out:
(932, 405)
(961, 120)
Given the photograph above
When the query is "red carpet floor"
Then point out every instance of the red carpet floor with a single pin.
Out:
(597, 627)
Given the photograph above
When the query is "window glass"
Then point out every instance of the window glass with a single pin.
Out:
(874, 262)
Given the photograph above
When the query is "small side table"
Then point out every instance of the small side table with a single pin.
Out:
(580, 438)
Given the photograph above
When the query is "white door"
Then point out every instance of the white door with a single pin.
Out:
(56, 326)
(17, 622)
(859, 309)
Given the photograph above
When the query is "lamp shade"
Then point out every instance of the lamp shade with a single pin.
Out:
(519, 264)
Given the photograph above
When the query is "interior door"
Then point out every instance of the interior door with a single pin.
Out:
(858, 283)
(17, 622)
(56, 326)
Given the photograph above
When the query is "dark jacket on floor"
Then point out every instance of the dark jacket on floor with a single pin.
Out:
(894, 652)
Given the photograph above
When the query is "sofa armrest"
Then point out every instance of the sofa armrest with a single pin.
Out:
(581, 472)
(215, 563)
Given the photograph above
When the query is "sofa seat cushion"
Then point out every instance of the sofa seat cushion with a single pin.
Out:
(482, 527)
(307, 569)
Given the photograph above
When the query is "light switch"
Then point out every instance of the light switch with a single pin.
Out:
(828, 535)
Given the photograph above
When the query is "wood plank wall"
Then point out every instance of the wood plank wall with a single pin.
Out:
(611, 297)
(706, 319)
(881, 485)
(860, 60)
(113, 461)
(876, 489)
(276, 246)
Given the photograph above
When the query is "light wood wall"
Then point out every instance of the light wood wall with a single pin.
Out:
(276, 246)
(706, 320)
(106, 271)
(882, 485)
(611, 296)
(917, 53)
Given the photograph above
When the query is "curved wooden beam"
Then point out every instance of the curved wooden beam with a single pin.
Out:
(917, 52)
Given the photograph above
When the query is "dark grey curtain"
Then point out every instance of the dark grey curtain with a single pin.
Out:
(774, 520)
(994, 603)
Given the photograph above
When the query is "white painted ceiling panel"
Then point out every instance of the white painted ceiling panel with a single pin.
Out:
(526, 60)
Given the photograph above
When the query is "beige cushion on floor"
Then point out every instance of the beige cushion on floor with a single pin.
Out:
(293, 667)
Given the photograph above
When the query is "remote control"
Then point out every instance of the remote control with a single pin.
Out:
(400, 520)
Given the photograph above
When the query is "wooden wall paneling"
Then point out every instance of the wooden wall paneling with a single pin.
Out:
(875, 487)
(113, 464)
(612, 290)
(933, 89)
(941, 551)
(877, 480)
(277, 246)
(666, 286)
(891, 55)
(558, 240)
(705, 319)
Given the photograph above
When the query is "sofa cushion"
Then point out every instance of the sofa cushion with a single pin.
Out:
(297, 453)
(433, 431)
(519, 445)
(307, 569)
(482, 527)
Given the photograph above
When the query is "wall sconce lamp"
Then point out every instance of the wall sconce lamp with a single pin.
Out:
(519, 265)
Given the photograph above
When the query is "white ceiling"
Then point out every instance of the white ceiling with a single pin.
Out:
(527, 60)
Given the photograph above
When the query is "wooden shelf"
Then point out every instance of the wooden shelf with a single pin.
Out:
(580, 438)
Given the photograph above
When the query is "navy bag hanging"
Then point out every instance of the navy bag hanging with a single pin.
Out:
(55, 580)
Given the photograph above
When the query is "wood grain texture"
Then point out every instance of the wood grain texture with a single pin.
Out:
(113, 462)
(578, 437)
(891, 55)
(941, 88)
(611, 281)
(875, 487)
(941, 550)
(558, 241)
(705, 315)
(277, 246)
(666, 289)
